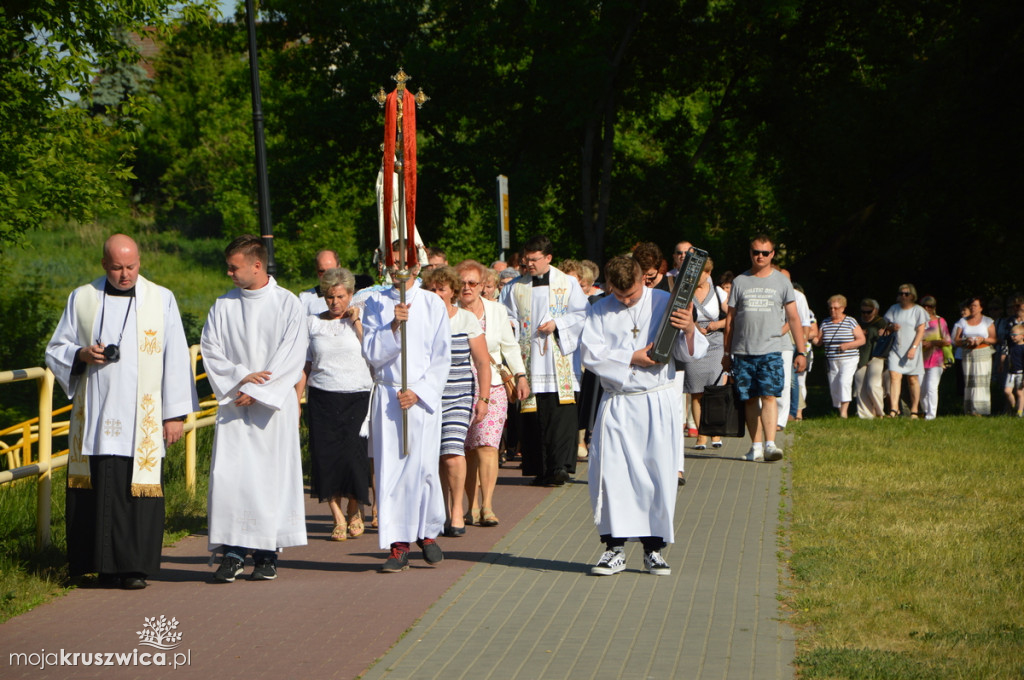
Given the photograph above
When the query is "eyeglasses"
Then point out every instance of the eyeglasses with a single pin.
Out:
(471, 284)
(905, 292)
(531, 260)
(866, 311)
(762, 253)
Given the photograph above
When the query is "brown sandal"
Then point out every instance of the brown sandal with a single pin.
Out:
(488, 518)
(355, 526)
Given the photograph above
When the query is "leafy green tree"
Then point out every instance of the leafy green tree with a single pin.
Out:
(52, 159)
(195, 166)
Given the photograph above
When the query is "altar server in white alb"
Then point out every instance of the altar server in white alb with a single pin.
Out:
(120, 354)
(254, 349)
(409, 497)
(639, 425)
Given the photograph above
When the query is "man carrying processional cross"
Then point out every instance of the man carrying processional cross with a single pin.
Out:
(407, 342)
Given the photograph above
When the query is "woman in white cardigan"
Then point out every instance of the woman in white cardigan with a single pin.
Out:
(484, 437)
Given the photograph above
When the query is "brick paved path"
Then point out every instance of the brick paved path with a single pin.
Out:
(514, 601)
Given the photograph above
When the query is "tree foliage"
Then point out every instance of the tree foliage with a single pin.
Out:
(867, 137)
(56, 159)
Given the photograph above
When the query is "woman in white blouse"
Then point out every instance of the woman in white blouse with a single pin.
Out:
(975, 335)
(485, 436)
(339, 382)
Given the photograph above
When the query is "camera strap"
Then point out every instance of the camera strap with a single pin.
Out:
(124, 324)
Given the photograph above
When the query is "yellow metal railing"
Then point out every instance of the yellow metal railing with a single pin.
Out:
(42, 469)
(41, 430)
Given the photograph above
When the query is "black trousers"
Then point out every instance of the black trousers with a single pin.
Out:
(109, 530)
(549, 437)
(650, 543)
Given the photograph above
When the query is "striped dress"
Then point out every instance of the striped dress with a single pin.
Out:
(457, 400)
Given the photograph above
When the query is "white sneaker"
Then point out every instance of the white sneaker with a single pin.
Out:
(753, 455)
(772, 453)
(611, 562)
(656, 564)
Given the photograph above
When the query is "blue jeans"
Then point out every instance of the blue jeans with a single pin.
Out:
(258, 556)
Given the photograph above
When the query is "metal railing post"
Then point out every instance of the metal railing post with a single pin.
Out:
(45, 481)
(190, 434)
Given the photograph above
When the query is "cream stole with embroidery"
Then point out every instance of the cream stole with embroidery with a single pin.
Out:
(558, 305)
(149, 440)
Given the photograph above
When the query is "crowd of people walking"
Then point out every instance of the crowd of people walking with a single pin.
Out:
(417, 389)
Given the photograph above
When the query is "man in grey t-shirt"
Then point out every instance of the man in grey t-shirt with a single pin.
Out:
(760, 302)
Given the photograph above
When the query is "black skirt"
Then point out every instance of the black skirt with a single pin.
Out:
(339, 465)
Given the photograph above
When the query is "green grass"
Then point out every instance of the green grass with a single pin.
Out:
(905, 548)
(29, 578)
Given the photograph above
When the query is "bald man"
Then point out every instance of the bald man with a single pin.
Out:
(119, 352)
(312, 300)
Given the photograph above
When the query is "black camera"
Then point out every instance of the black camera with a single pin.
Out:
(112, 353)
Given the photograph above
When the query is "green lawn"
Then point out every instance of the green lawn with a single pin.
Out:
(28, 578)
(906, 548)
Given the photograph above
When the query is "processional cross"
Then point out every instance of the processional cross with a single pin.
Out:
(400, 158)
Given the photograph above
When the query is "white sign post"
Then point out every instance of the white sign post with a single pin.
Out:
(503, 219)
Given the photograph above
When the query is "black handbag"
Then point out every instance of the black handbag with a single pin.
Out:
(721, 411)
(883, 345)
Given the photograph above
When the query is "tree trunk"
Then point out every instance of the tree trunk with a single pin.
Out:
(602, 122)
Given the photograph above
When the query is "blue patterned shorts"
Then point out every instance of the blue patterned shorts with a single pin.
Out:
(758, 375)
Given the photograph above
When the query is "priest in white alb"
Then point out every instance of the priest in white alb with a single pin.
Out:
(120, 354)
(547, 308)
(409, 497)
(639, 427)
(254, 349)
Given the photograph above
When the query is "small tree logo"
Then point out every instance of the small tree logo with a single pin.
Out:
(159, 633)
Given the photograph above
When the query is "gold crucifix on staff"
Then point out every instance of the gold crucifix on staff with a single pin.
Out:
(400, 159)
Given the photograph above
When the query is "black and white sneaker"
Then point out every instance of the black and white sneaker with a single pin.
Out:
(266, 570)
(656, 564)
(612, 562)
(229, 568)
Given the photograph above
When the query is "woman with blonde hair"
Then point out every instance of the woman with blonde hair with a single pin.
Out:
(484, 437)
(338, 382)
(490, 287)
(908, 320)
(840, 335)
(459, 409)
